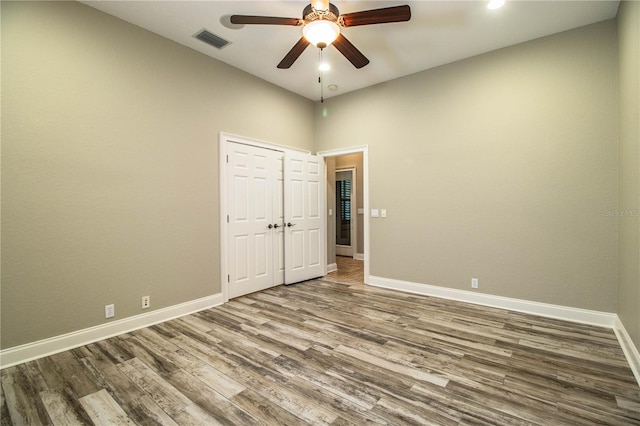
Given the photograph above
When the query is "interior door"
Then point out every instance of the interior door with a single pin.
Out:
(305, 224)
(255, 218)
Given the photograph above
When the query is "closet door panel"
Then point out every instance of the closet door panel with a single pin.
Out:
(304, 204)
(252, 200)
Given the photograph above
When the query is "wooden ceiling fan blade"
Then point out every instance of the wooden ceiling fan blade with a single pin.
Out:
(293, 54)
(377, 16)
(264, 20)
(350, 52)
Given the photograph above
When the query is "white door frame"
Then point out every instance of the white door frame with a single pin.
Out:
(364, 149)
(354, 210)
(223, 139)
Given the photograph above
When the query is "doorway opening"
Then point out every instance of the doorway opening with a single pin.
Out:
(348, 204)
(350, 271)
(346, 212)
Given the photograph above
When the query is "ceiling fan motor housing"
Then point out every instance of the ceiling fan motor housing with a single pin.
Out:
(310, 14)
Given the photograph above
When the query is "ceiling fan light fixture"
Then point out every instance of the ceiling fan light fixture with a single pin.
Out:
(321, 33)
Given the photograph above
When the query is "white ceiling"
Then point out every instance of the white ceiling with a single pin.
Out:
(439, 32)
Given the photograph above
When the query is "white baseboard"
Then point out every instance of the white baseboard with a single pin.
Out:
(358, 256)
(629, 349)
(30, 351)
(602, 319)
(332, 267)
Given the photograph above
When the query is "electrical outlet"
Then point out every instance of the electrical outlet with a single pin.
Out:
(109, 311)
(146, 302)
(474, 283)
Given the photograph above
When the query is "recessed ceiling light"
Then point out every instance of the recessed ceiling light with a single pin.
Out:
(495, 4)
(324, 66)
(333, 87)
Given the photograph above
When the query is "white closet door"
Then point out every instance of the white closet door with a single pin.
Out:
(305, 224)
(255, 231)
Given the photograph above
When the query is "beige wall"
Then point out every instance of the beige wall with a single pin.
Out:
(499, 167)
(629, 202)
(110, 165)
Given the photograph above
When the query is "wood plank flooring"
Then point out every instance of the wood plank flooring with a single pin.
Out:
(333, 351)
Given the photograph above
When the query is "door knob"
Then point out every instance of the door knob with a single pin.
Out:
(289, 224)
(275, 225)
(270, 226)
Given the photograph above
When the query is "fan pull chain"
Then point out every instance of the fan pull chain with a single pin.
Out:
(320, 76)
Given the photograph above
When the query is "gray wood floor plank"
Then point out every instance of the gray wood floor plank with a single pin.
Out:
(213, 403)
(103, 410)
(5, 419)
(264, 410)
(157, 360)
(193, 415)
(244, 345)
(396, 413)
(628, 404)
(280, 394)
(334, 351)
(151, 382)
(344, 408)
(23, 406)
(583, 414)
(134, 401)
(60, 411)
(218, 381)
(314, 373)
(244, 312)
(409, 371)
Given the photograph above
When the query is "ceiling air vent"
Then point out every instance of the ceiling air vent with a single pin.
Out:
(211, 39)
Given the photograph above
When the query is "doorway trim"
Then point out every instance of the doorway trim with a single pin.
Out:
(364, 149)
(223, 139)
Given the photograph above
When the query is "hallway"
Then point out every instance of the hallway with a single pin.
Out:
(350, 271)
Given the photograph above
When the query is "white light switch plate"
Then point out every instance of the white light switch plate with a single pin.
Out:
(374, 212)
(383, 213)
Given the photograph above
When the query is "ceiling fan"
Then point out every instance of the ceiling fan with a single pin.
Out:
(321, 22)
